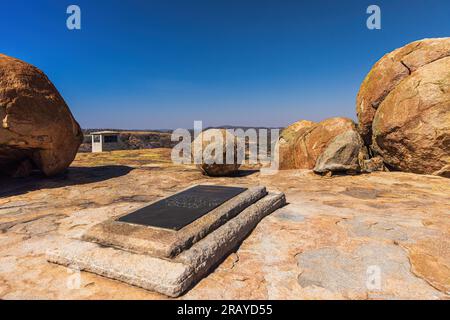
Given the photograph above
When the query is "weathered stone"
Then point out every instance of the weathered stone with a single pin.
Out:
(341, 154)
(411, 128)
(390, 71)
(164, 276)
(214, 152)
(303, 151)
(23, 169)
(170, 277)
(430, 260)
(37, 125)
(285, 142)
(361, 192)
(443, 172)
(166, 243)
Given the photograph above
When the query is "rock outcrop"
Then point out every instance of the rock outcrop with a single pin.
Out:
(342, 154)
(303, 149)
(403, 107)
(285, 143)
(38, 129)
(213, 157)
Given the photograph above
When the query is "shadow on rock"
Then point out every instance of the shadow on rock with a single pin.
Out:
(72, 176)
(244, 173)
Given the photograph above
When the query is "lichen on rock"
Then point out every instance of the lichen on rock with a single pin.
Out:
(403, 108)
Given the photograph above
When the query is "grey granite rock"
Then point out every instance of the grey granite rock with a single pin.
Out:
(341, 154)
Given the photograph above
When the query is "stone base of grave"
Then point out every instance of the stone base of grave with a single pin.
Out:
(180, 264)
(166, 243)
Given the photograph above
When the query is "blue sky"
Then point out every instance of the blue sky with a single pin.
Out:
(164, 64)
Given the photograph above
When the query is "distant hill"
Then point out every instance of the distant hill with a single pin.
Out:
(243, 127)
(148, 139)
(90, 130)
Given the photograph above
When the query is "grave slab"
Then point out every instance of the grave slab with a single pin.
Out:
(161, 242)
(174, 276)
(182, 208)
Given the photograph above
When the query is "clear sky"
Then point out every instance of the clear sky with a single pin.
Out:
(165, 63)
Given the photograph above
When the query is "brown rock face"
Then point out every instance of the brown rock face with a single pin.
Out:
(411, 128)
(389, 72)
(37, 127)
(342, 154)
(285, 143)
(214, 161)
(302, 151)
(349, 223)
(372, 164)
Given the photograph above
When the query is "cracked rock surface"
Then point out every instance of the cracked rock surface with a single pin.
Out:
(303, 142)
(37, 128)
(403, 107)
(380, 235)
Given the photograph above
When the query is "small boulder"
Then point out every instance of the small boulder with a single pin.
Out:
(342, 154)
(214, 152)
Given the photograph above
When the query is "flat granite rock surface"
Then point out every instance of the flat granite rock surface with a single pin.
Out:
(384, 235)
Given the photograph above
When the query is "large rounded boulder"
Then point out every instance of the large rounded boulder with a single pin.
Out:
(403, 107)
(411, 128)
(216, 153)
(305, 146)
(389, 71)
(37, 129)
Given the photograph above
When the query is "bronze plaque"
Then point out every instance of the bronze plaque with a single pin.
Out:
(181, 209)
